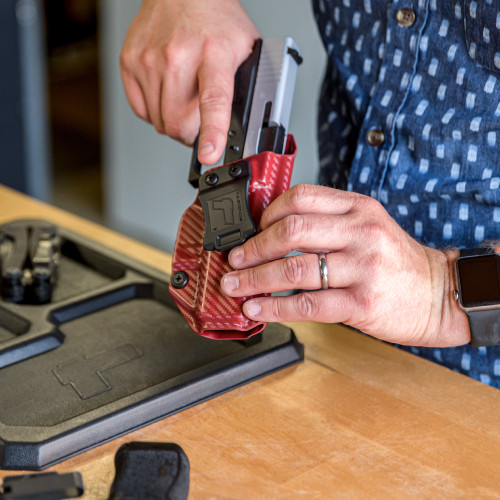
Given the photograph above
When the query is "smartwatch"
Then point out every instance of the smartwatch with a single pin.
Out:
(477, 280)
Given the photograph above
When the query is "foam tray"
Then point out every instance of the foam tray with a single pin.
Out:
(110, 354)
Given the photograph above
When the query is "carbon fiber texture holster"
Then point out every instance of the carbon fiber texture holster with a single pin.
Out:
(207, 309)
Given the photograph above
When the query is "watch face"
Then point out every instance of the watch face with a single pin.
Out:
(479, 280)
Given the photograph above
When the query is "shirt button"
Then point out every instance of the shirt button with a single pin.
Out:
(375, 137)
(405, 17)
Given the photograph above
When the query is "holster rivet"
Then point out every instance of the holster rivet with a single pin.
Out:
(179, 279)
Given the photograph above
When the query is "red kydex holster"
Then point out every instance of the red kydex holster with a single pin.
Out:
(207, 309)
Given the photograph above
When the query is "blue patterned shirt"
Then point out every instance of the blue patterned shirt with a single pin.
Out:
(425, 76)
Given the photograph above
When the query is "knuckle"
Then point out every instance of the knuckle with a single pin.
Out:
(298, 195)
(252, 278)
(214, 46)
(126, 60)
(366, 204)
(307, 305)
(139, 113)
(173, 128)
(256, 247)
(292, 228)
(159, 128)
(214, 97)
(176, 56)
(277, 309)
(368, 225)
(171, 54)
(294, 270)
(149, 59)
(375, 229)
(375, 261)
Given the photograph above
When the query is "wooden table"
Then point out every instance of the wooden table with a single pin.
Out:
(357, 419)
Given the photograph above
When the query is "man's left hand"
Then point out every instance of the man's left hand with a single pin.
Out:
(381, 281)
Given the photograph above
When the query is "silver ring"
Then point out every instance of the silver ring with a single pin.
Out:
(323, 271)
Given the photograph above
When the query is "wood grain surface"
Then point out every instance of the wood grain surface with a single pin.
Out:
(357, 419)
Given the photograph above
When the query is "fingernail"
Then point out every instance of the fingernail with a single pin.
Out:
(206, 148)
(236, 256)
(252, 308)
(230, 282)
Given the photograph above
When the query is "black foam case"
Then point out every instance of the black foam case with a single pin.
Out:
(109, 354)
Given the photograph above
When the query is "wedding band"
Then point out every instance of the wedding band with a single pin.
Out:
(323, 271)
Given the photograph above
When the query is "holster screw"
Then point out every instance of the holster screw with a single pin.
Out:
(235, 171)
(179, 279)
(212, 179)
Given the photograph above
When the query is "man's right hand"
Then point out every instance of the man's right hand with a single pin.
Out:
(178, 63)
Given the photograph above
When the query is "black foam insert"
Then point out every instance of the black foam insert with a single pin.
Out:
(109, 354)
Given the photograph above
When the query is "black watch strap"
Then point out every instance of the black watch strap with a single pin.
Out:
(484, 325)
(474, 252)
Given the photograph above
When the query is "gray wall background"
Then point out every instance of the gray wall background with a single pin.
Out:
(24, 132)
(146, 188)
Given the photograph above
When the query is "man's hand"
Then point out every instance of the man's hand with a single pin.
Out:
(381, 281)
(178, 64)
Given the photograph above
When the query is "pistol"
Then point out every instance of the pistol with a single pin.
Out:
(257, 167)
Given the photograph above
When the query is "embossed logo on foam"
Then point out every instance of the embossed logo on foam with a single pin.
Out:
(87, 375)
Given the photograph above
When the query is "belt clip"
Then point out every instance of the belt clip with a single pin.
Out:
(224, 199)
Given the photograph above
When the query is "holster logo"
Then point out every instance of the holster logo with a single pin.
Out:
(225, 211)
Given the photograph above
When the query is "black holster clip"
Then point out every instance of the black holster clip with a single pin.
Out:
(224, 199)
